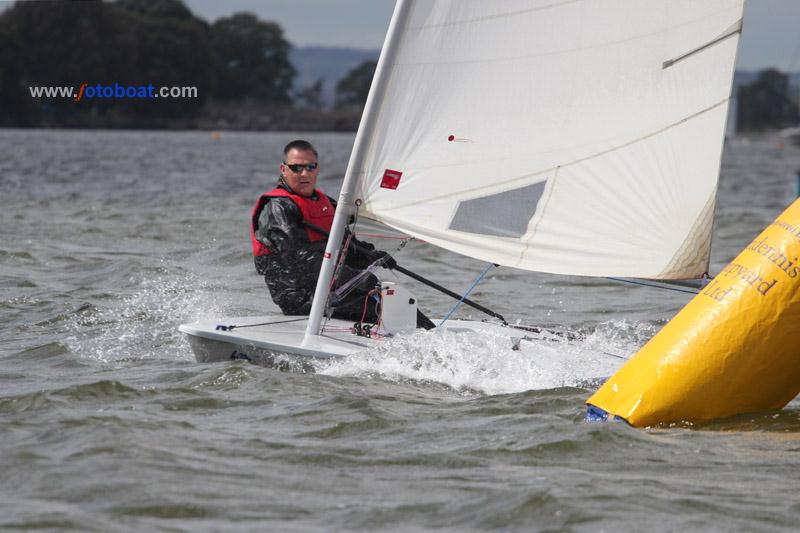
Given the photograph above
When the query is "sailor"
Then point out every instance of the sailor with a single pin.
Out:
(289, 230)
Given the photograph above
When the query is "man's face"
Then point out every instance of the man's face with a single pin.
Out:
(303, 181)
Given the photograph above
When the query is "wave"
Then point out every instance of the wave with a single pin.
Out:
(480, 363)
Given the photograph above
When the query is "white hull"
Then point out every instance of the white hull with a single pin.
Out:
(277, 341)
(273, 336)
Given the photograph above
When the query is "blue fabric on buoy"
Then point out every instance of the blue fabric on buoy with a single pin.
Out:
(595, 414)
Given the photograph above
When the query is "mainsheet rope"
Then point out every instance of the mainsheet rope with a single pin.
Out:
(461, 301)
(654, 285)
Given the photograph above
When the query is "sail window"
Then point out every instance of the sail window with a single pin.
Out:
(504, 214)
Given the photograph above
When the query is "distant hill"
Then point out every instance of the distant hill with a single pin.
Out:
(330, 64)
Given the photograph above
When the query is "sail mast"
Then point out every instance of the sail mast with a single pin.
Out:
(355, 166)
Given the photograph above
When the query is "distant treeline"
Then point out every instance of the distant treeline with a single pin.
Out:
(239, 65)
(768, 102)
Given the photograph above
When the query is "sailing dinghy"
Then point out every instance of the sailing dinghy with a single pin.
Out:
(562, 136)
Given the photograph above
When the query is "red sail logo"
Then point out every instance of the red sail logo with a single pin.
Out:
(391, 179)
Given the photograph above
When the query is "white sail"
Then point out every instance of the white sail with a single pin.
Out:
(569, 136)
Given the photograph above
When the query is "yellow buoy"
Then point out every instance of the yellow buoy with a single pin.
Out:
(734, 348)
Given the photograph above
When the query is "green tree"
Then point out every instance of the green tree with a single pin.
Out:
(157, 8)
(252, 59)
(65, 42)
(170, 47)
(69, 43)
(765, 103)
(352, 90)
(15, 105)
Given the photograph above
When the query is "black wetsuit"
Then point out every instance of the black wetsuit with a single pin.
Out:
(292, 267)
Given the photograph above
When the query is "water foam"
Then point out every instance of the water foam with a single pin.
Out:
(143, 325)
(485, 363)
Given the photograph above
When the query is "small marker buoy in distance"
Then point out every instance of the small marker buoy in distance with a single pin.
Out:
(215, 135)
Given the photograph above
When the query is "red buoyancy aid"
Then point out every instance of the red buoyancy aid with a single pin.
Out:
(318, 212)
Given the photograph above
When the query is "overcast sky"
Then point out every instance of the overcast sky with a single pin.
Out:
(771, 27)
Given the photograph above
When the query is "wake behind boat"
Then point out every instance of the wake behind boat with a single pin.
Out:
(270, 340)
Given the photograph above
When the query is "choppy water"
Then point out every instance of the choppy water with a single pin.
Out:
(109, 240)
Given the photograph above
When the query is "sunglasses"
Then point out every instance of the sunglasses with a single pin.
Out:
(297, 169)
